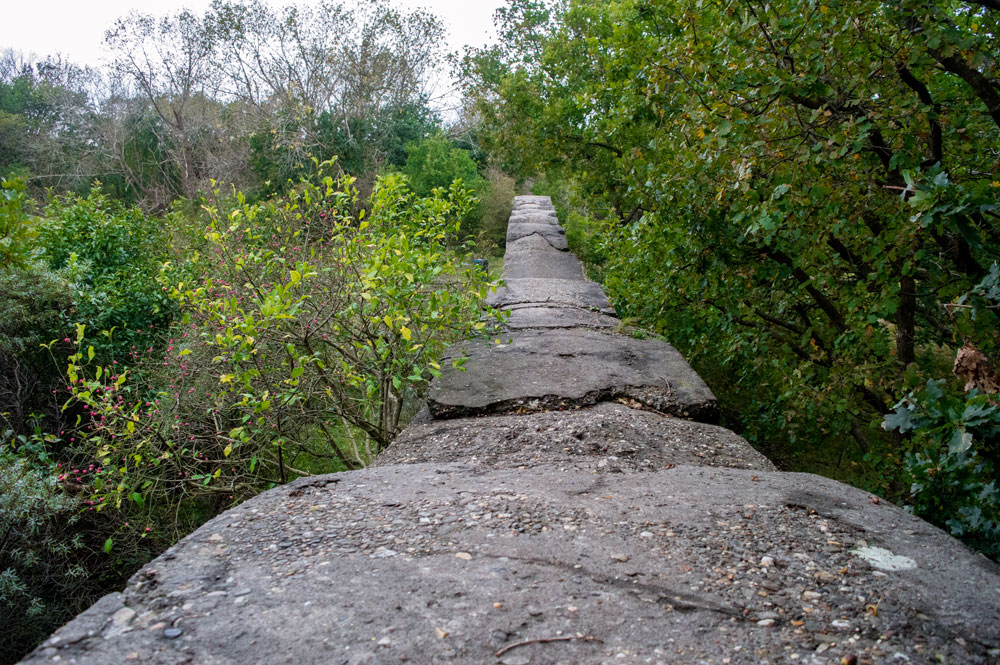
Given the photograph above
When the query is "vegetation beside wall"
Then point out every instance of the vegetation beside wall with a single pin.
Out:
(803, 197)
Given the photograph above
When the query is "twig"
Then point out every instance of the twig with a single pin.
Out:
(541, 640)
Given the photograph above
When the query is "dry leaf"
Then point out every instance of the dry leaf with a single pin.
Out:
(974, 367)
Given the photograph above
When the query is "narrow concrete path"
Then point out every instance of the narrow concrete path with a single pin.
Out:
(563, 502)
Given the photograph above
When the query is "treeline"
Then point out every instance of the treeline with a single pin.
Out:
(232, 258)
(804, 197)
(246, 92)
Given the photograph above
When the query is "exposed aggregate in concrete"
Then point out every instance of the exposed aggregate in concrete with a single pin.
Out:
(436, 563)
(607, 438)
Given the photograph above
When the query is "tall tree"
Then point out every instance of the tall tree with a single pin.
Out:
(804, 186)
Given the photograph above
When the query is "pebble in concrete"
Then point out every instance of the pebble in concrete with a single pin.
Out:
(607, 438)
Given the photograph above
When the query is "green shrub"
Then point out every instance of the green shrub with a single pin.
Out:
(297, 350)
(33, 303)
(434, 163)
(955, 448)
(16, 232)
(494, 209)
(112, 255)
(42, 580)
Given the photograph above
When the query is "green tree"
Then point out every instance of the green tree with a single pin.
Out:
(804, 186)
(435, 162)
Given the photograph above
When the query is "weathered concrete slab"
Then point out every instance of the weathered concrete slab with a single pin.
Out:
(529, 243)
(541, 316)
(534, 291)
(609, 437)
(519, 217)
(554, 234)
(430, 564)
(532, 200)
(553, 369)
(534, 209)
(549, 264)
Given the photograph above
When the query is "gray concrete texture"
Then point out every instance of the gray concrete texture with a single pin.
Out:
(539, 291)
(558, 503)
(450, 563)
(536, 316)
(539, 370)
(550, 264)
(529, 243)
(530, 217)
(527, 200)
(552, 233)
(607, 438)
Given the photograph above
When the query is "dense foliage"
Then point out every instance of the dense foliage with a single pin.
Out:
(798, 193)
(164, 369)
(305, 333)
(246, 89)
(171, 345)
(40, 577)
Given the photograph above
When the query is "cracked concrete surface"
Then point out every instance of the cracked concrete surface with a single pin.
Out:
(540, 370)
(537, 291)
(552, 233)
(434, 563)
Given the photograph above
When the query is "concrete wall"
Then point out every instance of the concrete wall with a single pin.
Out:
(566, 499)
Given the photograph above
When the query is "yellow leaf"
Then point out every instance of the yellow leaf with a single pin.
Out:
(700, 133)
(388, 321)
(228, 449)
(226, 378)
(406, 333)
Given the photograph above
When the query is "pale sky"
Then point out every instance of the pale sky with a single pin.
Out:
(75, 28)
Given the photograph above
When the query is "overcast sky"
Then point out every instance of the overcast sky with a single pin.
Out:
(75, 28)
